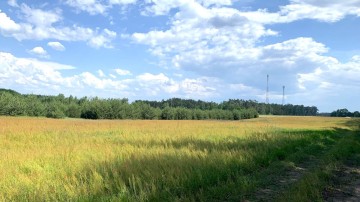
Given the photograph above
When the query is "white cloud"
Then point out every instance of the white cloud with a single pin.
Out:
(100, 73)
(210, 41)
(95, 7)
(208, 3)
(122, 2)
(104, 39)
(334, 73)
(122, 72)
(213, 33)
(39, 51)
(322, 10)
(199, 88)
(40, 18)
(7, 25)
(163, 7)
(92, 81)
(154, 84)
(47, 78)
(41, 25)
(13, 3)
(56, 45)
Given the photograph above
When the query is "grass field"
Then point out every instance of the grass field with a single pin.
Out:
(269, 158)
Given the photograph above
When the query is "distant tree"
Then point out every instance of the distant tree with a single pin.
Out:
(73, 111)
(167, 113)
(11, 104)
(33, 106)
(341, 113)
(147, 112)
(54, 109)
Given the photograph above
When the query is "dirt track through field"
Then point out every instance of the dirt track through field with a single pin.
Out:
(346, 185)
(281, 183)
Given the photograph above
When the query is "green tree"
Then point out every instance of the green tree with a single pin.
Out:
(11, 104)
(55, 109)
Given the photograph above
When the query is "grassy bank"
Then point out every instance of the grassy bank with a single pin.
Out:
(47, 160)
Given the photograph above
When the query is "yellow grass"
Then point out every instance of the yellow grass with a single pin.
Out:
(73, 159)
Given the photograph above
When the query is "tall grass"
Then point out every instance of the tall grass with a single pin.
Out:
(52, 160)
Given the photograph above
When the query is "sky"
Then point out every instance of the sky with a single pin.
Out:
(213, 50)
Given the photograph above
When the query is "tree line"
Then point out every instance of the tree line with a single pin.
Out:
(234, 104)
(13, 103)
(344, 113)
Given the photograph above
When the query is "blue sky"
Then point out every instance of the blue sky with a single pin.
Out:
(201, 49)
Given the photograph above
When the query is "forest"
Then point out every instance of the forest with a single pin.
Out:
(13, 103)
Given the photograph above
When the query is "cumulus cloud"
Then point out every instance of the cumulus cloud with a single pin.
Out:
(322, 10)
(41, 18)
(56, 45)
(41, 25)
(210, 41)
(329, 75)
(122, 72)
(104, 39)
(199, 88)
(7, 25)
(212, 34)
(47, 78)
(153, 84)
(39, 51)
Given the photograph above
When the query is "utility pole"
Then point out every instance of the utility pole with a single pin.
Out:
(267, 90)
(283, 98)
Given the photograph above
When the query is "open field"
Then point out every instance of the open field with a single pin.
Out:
(269, 158)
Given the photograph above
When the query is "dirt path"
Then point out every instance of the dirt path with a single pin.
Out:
(281, 183)
(346, 185)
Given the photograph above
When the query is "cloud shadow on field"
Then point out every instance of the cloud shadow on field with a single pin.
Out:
(225, 171)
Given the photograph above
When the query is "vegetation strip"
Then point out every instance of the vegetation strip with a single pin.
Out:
(13, 103)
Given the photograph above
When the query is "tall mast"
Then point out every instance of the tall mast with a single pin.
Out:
(267, 90)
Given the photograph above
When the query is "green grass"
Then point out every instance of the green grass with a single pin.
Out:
(77, 160)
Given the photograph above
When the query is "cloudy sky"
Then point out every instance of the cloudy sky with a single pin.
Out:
(201, 49)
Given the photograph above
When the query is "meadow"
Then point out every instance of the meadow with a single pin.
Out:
(269, 158)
